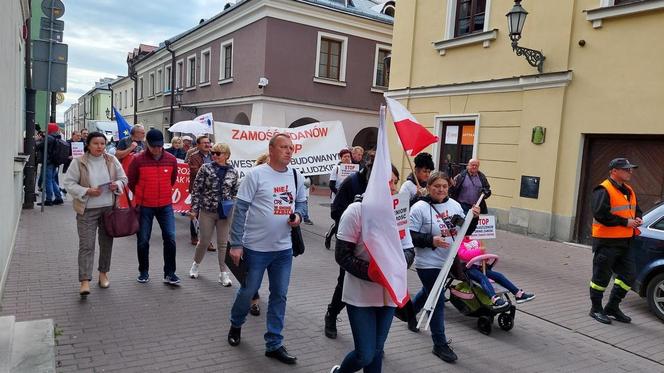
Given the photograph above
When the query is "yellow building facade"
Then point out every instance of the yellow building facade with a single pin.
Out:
(599, 96)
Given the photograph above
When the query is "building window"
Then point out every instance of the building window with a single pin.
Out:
(140, 88)
(119, 104)
(191, 71)
(125, 99)
(205, 66)
(167, 82)
(151, 86)
(620, 2)
(226, 60)
(179, 68)
(159, 81)
(469, 17)
(331, 57)
(381, 72)
(131, 99)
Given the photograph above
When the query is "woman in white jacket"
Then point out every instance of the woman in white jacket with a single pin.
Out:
(94, 180)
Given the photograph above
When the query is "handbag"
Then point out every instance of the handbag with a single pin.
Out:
(225, 208)
(121, 222)
(296, 232)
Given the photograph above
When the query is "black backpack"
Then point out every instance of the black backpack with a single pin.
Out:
(60, 152)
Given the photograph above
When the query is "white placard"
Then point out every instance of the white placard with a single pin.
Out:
(346, 170)
(317, 145)
(452, 135)
(486, 228)
(401, 203)
(77, 149)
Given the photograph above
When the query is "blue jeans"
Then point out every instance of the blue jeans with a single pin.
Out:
(52, 187)
(278, 265)
(166, 221)
(370, 326)
(476, 275)
(428, 278)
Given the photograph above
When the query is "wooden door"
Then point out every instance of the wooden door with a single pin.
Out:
(648, 180)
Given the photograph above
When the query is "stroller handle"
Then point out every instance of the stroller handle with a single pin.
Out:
(490, 259)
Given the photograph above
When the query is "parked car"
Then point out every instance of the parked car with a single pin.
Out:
(648, 251)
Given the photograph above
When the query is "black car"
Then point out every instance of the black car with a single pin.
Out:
(648, 251)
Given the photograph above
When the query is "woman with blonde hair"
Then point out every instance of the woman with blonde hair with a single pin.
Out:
(215, 185)
(176, 148)
(93, 180)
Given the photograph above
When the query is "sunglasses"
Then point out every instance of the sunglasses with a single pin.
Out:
(217, 153)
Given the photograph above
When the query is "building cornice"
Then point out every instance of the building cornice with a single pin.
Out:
(515, 84)
(596, 16)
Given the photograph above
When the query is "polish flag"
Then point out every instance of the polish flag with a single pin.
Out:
(380, 234)
(414, 137)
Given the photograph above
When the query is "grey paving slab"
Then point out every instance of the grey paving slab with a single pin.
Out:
(152, 327)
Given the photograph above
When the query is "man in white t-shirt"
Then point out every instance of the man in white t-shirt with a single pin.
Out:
(268, 204)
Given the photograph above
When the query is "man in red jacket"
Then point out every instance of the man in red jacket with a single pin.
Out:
(151, 176)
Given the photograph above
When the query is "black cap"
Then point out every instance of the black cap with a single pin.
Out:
(154, 137)
(621, 163)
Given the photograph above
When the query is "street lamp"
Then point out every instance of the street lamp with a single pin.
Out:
(178, 102)
(516, 19)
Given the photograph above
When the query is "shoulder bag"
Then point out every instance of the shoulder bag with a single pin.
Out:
(121, 221)
(225, 206)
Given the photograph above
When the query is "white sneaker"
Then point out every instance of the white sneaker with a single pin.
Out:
(224, 279)
(193, 272)
(335, 369)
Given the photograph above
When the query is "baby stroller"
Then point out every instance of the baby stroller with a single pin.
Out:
(468, 297)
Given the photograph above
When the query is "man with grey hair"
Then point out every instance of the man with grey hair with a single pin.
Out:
(132, 144)
(468, 185)
(269, 203)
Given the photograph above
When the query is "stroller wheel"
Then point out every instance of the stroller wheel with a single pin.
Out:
(506, 321)
(484, 324)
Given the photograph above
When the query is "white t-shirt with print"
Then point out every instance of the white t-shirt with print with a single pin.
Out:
(424, 219)
(410, 187)
(271, 195)
(358, 292)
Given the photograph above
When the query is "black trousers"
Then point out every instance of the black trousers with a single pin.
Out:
(337, 305)
(612, 259)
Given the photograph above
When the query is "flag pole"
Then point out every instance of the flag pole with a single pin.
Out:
(437, 290)
(412, 169)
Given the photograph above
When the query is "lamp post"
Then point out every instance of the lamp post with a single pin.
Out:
(110, 88)
(516, 19)
(178, 102)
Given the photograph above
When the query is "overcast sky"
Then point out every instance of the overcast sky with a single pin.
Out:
(100, 33)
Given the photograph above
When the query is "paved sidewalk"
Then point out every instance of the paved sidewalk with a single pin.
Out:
(134, 327)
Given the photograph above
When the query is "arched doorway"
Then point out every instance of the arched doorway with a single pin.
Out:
(366, 138)
(302, 121)
(241, 118)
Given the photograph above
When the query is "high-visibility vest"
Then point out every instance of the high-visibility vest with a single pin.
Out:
(620, 206)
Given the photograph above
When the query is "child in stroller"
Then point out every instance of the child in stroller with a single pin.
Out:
(490, 300)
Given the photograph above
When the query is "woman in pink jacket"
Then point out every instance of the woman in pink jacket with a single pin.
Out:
(470, 249)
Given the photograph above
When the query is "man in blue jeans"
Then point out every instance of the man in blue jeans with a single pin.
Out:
(51, 187)
(269, 203)
(151, 177)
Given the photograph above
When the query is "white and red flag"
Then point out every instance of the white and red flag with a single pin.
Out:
(414, 137)
(379, 227)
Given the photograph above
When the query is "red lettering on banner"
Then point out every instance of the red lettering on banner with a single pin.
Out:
(395, 202)
(267, 135)
(234, 136)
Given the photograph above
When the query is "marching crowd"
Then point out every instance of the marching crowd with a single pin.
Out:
(254, 220)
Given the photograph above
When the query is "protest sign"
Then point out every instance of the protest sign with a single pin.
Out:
(77, 149)
(401, 203)
(346, 170)
(486, 228)
(316, 145)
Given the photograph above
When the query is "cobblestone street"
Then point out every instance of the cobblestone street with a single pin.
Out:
(133, 327)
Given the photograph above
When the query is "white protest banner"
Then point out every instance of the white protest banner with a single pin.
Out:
(486, 228)
(316, 145)
(77, 149)
(346, 170)
(401, 204)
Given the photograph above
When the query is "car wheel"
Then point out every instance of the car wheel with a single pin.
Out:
(655, 294)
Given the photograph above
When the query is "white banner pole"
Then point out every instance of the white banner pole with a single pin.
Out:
(432, 300)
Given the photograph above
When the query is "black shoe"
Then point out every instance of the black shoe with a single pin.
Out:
(412, 325)
(445, 353)
(328, 240)
(255, 309)
(282, 355)
(58, 201)
(234, 336)
(600, 316)
(617, 314)
(330, 325)
(46, 203)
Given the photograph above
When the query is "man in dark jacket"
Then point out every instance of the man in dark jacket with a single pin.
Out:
(51, 187)
(352, 186)
(151, 177)
(468, 185)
